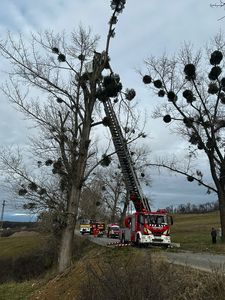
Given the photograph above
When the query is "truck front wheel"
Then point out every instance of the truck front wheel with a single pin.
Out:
(123, 238)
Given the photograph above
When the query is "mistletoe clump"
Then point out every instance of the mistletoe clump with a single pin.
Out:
(213, 88)
(200, 145)
(130, 94)
(58, 167)
(189, 71)
(215, 73)
(22, 192)
(49, 162)
(106, 121)
(113, 20)
(222, 97)
(106, 160)
(118, 5)
(188, 95)
(171, 96)
(222, 82)
(190, 178)
(63, 183)
(30, 205)
(161, 93)
(126, 129)
(55, 50)
(147, 79)
(188, 121)
(61, 57)
(167, 119)
(81, 57)
(157, 83)
(42, 191)
(32, 186)
(59, 100)
(194, 139)
(216, 57)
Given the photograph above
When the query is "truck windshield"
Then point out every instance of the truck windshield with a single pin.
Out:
(115, 228)
(156, 219)
(84, 221)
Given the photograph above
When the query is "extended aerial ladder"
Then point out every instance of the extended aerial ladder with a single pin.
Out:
(130, 176)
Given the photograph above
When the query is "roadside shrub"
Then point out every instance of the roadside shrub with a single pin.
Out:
(142, 276)
(6, 232)
(132, 278)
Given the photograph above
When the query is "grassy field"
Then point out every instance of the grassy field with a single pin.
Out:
(16, 248)
(192, 231)
(18, 245)
(17, 291)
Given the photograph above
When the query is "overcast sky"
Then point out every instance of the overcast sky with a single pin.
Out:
(145, 28)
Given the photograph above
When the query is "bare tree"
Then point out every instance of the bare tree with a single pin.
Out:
(64, 80)
(194, 86)
(91, 205)
(218, 4)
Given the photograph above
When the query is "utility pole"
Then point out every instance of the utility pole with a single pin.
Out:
(1, 220)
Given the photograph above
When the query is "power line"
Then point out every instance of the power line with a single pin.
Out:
(2, 214)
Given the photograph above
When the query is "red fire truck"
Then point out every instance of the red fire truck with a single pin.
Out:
(92, 227)
(113, 231)
(147, 228)
(97, 228)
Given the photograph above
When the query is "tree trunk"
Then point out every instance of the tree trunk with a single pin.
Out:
(77, 176)
(65, 253)
(113, 215)
(222, 213)
(123, 215)
(66, 244)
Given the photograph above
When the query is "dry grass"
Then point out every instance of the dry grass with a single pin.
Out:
(131, 274)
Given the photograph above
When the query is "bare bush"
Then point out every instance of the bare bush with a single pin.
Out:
(141, 276)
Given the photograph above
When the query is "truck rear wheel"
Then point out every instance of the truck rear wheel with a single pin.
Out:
(138, 241)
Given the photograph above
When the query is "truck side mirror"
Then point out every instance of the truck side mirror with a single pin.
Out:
(141, 219)
(170, 220)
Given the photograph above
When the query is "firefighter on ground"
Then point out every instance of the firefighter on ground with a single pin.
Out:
(213, 235)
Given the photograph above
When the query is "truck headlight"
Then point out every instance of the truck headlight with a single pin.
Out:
(166, 232)
(147, 231)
